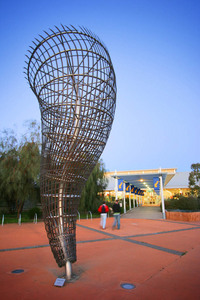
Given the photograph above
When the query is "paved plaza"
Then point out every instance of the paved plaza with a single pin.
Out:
(160, 258)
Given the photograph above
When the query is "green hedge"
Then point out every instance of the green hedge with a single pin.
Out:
(183, 203)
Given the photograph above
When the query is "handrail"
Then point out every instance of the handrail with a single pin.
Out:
(35, 219)
(79, 216)
(2, 220)
(20, 219)
(90, 214)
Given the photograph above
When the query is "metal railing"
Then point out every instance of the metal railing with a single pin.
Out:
(35, 219)
(90, 215)
(79, 216)
(20, 219)
(2, 220)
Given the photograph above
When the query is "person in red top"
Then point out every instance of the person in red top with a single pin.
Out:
(103, 209)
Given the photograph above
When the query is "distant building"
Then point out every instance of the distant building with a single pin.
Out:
(179, 184)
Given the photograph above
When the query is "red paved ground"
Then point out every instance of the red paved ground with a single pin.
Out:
(104, 265)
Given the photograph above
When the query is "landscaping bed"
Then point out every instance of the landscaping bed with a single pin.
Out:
(178, 215)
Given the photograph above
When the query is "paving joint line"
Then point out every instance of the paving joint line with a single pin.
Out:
(162, 232)
(116, 237)
(171, 251)
(175, 222)
(179, 253)
(24, 248)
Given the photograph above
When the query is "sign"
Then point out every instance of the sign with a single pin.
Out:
(156, 184)
(132, 189)
(127, 187)
(120, 185)
(59, 282)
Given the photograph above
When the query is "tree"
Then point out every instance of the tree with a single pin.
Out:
(19, 166)
(194, 179)
(91, 194)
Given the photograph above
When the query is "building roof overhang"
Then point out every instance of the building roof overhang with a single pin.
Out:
(144, 179)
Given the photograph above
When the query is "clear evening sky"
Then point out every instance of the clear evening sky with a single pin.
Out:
(155, 50)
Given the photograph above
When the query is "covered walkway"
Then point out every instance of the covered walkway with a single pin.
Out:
(144, 212)
(135, 184)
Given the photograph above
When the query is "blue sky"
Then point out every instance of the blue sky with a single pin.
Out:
(155, 50)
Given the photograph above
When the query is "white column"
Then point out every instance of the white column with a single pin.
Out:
(162, 197)
(124, 197)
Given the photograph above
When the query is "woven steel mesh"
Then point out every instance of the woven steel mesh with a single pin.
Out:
(71, 73)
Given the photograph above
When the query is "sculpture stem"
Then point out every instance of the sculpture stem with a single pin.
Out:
(60, 206)
(68, 270)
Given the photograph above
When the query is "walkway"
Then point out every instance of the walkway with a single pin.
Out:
(144, 212)
(160, 258)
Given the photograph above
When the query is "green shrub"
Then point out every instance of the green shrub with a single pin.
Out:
(183, 203)
(33, 211)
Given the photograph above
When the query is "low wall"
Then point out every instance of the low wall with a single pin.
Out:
(183, 216)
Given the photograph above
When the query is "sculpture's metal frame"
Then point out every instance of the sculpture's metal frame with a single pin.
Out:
(71, 73)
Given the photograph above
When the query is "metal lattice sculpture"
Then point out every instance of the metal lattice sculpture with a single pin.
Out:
(71, 73)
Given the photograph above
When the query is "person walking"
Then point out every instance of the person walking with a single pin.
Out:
(116, 213)
(103, 209)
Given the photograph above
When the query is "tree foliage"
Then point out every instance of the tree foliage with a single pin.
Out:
(19, 166)
(194, 179)
(91, 196)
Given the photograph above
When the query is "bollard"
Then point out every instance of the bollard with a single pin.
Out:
(2, 220)
(19, 220)
(90, 215)
(35, 219)
(79, 216)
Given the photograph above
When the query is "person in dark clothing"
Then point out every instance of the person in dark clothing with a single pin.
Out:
(116, 213)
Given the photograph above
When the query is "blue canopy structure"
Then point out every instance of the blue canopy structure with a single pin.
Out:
(144, 180)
